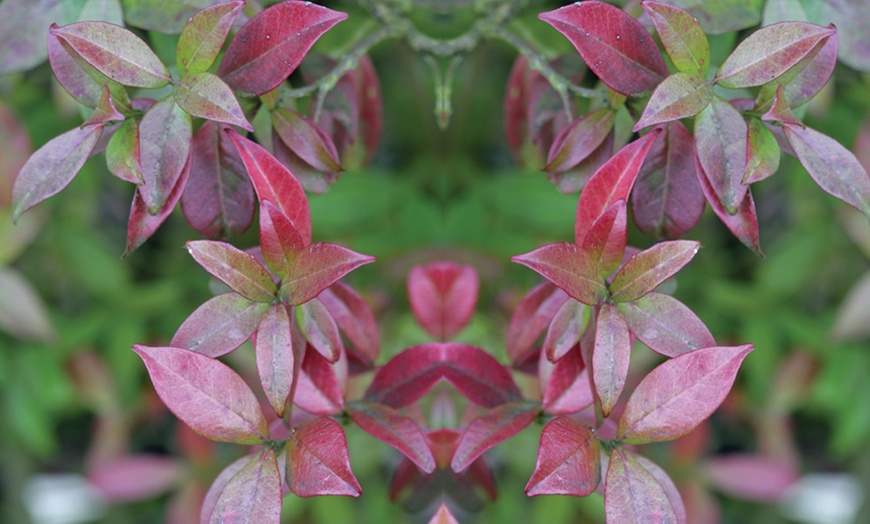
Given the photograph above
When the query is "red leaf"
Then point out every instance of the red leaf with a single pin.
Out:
(578, 140)
(218, 202)
(276, 360)
(142, 224)
(164, 137)
(443, 516)
(204, 95)
(762, 153)
(280, 241)
(566, 265)
(205, 394)
(319, 389)
(632, 495)
(122, 152)
(235, 268)
(307, 140)
(270, 46)
(605, 241)
(387, 425)
(310, 178)
(52, 167)
(531, 317)
(610, 356)
(75, 75)
(680, 394)
(354, 318)
(615, 46)
(220, 325)
(611, 183)
(834, 168)
(566, 387)
(565, 330)
(203, 36)
(516, 125)
(274, 183)
(804, 81)
(319, 329)
(135, 477)
(750, 477)
(316, 267)
(443, 296)
(680, 95)
(665, 324)
(649, 268)
(497, 425)
(318, 462)
(780, 111)
(252, 495)
(743, 224)
(720, 141)
(569, 460)
(769, 52)
(682, 36)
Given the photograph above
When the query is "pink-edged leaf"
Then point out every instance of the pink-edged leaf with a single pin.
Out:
(116, 52)
(165, 133)
(578, 140)
(615, 46)
(680, 95)
(52, 167)
(531, 317)
(75, 75)
(611, 183)
(354, 318)
(497, 425)
(834, 168)
(443, 296)
(319, 329)
(566, 384)
(142, 224)
(605, 241)
(565, 330)
(574, 179)
(217, 487)
(667, 199)
(762, 153)
(275, 356)
(105, 110)
(311, 179)
(204, 35)
(443, 516)
(122, 152)
(205, 95)
(769, 52)
(566, 265)
(135, 477)
(780, 111)
(307, 140)
(750, 477)
(720, 141)
(610, 356)
(235, 268)
(682, 36)
(280, 241)
(273, 182)
(387, 425)
(667, 484)
(316, 267)
(219, 200)
(569, 460)
(205, 394)
(680, 394)
(220, 325)
(318, 461)
(632, 495)
(252, 495)
(474, 372)
(319, 388)
(665, 324)
(804, 80)
(649, 268)
(270, 46)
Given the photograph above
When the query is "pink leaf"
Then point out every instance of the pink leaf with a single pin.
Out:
(671, 492)
(75, 75)
(276, 356)
(566, 265)
(205, 394)
(680, 95)
(319, 329)
(615, 46)
(762, 153)
(680, 394)
(565, 330)
(443, 296)
(164, 138)
(780, 111)
(142, 224)
(682, 36)
(804, 81)
(632, 495)
(665, 324)
(720, 141)
(220, 325)
(270, 46)
(443, 516)
(387, 425)
(750, 477)
(307, 140)
(105, 110)
(122, 152)
(318, 461)
(310, 178)
(354, 318)
(316, 267)
(253, 494)
(649, 268)
(497, 425)
(204, 95)
(531, 317)
(579, 139)
(235, 268)
(569, 460)
(203, 36)
(566, 387)
(605, 241)
(610, 356)
(319, 389)
(135, 477)
(280, 241)
(217, 487)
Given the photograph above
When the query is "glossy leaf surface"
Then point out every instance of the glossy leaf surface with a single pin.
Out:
(276, 356)
(164, 139)
(565, 330)
(307, 140)
(680, 95)
(252, 495)
(280, 241)
(319, 389)
(567, 266)
(610, 356)
(569, 460)
(354, 318)
(531, 317)
(720, 141)
(220, 325)
(606, 239)
(319, 329)
(318, 461)
(486, 431)
(389, 426)
(649, 268)
(235, 268)
(682, 36)
(579, 139)
(203, 36)
(632, 495)
(316, 267)
(665, 324)
(804, 80)
(443, 296)
(204, 95)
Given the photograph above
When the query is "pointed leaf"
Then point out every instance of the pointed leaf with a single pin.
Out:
(319, 329)
(235, 268)
(769, 52)
(270, 46)
(680, 95)
(204, 95)
(205, 394)
(834, 168)
(307, 140)
(122, 152)
(275, 356)
(578, 140)
(665, 324)
(443, 296)
(204, 35)
(115, 52)
(743, 224)
(217, 487)
(105, 110)
(387, 425)
(566, 265)
(565, 330)
(615, 46)
(649, 268)
(252, 495)
(566, 387)
(610, 357)
(52, 167)
(762, 153)
(164, 139)
(319, 388)
(804, 81)
(632, 495)
(671, 492)
(497, 425)
(720, 141)
(605, 241)
(680, 394)
(142, 224)
(316, 267)
(354, 318)
(682, 36)
(531, 317)
(75, 75)
(780, 111)
(318, 462)
(443, 516)
(220, 325)
(280, 241)
(569, 460)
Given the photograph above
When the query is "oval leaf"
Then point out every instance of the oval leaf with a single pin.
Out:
(610, 356)
(531, 317)
(204, 35)
(443, 296)
(578, 140)
(252, 495)
(142, 224)
(743, 223)
(606, 239)
(682, 36)
(720, 141)
(566, 387)
(762, 153)
(567, 266)
(165, 133)
(665, 324)
(220, 325)
(235, 268)
(318, 461)
(680, 95)
(316, 267)
(307, 140)
(632, 495)
(649, 268)
(387, 425)
(123, 152)
(565, 330)
(319, 388)
(75, 75)
(484, 432)
(204, 95)
(319, 329)
(355, 319)
(569, 460)
(275, 356)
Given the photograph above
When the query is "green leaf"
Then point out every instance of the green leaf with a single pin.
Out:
(204, 95)
(204, 35)
(762, 153)
(682, 36)
(680, 95)
(122, 153)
